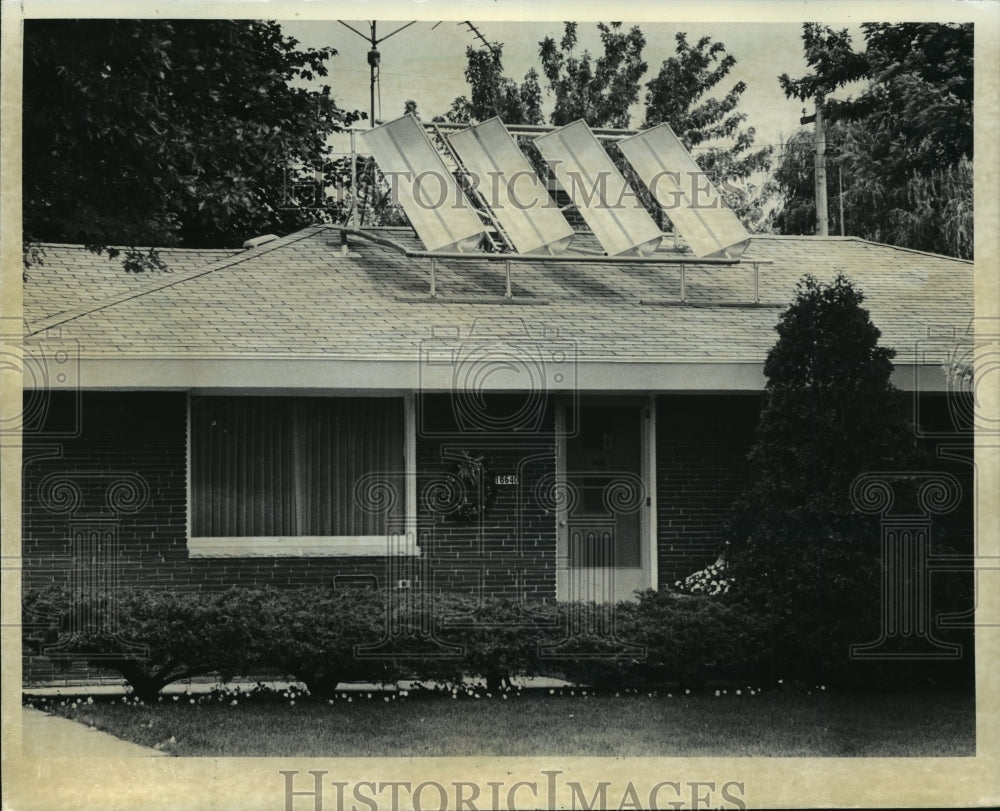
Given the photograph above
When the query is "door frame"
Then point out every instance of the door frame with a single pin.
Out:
(647, 471)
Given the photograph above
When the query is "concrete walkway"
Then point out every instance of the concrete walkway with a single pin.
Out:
(44, 735)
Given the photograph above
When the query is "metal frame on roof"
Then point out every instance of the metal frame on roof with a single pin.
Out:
(680, 261)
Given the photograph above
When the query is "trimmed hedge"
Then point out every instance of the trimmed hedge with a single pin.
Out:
(151, 637)
(323, 637)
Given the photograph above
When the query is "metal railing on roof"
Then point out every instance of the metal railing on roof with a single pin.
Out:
(682, 262)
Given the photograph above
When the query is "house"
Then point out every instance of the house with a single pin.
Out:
(342, 407)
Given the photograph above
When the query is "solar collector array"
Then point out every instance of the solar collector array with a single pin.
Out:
(521, 207)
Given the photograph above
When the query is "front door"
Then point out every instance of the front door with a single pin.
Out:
(603, 525)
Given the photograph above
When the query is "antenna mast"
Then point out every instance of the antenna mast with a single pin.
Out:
(374, 57)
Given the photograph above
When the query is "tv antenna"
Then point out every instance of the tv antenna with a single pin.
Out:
(374, 57)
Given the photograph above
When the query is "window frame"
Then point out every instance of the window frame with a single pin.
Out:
(301, 546)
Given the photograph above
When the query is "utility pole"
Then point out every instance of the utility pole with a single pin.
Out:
(819, 138)
(840, 186)
(819, 165)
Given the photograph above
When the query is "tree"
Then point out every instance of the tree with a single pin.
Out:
(677, 95)
(800, 550)
(906, 136)
(602, 91)
(930, 210)
(599, 91)
(493, 94)
(150, 132)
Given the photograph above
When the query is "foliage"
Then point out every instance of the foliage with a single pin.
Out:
(500, 637)
(314, 634)
(693, 639)
(800, 550)
(919, 77)
(903, 143)
(152, 637)
(677, 95)
(603, 90)
(163, 132)
(668, 638)
(493, 94)
(600, 90)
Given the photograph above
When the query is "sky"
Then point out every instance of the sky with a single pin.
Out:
(425, 62)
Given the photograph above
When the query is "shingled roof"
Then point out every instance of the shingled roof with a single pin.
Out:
(303, 296)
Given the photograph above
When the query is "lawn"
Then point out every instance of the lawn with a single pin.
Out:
(781, 723)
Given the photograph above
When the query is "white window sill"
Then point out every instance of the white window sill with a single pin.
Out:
(306, 546)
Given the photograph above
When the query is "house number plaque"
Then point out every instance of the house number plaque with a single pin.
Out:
(506, 478)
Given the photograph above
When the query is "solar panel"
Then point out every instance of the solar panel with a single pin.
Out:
(599, 191)
(437, 208)
(512, 190)
(679, 185)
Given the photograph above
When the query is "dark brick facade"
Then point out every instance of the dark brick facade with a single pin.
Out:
(701, 447)
(511, 550)
(124, 474)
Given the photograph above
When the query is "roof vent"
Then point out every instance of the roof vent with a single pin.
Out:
(256, 242)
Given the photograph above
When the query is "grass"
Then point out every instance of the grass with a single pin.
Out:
(783, 723)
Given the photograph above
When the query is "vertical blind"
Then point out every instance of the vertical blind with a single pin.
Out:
(292, 466)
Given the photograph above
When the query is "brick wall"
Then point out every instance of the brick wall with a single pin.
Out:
(125, 473)
(701, 447)
(511, 550)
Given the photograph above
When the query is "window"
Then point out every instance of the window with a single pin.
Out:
(296, 475)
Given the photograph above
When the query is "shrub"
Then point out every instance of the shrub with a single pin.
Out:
(666, 638)
(691, 639)
(801, 552)
(592, 646)
(151, 637)
(323, 637)
(499, 637)
(314, 634)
